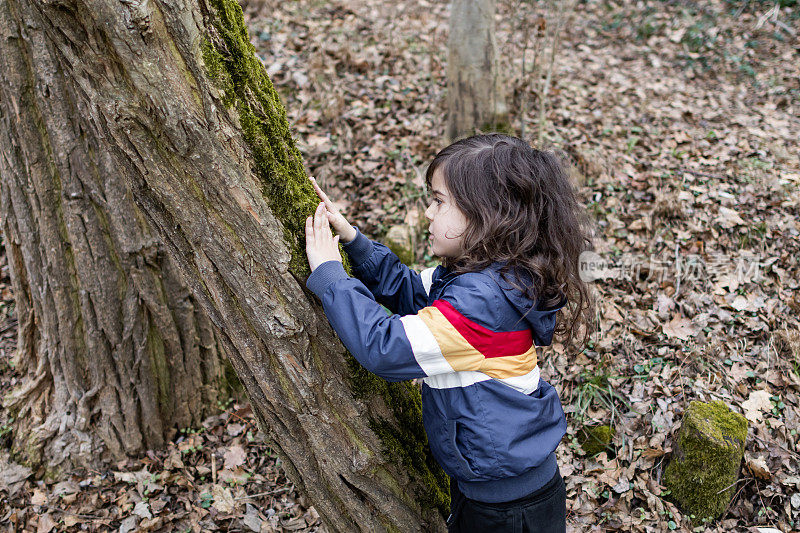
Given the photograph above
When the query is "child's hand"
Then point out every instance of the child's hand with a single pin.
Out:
(321, 246)
(339, 223)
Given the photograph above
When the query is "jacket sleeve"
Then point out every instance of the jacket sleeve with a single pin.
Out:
(437, 340)
(391, 282)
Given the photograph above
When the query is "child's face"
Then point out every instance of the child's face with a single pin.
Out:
(448, 223)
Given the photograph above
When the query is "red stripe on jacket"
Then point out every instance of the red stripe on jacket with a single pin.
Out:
(489, 343)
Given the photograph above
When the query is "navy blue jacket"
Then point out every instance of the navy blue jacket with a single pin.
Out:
(492, 423)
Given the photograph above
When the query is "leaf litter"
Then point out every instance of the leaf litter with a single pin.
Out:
(680, 120)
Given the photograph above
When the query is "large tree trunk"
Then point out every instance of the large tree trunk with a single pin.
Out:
(172, 95)
(475, 95)
(117, 355)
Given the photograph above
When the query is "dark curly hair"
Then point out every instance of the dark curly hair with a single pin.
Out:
(522, 211)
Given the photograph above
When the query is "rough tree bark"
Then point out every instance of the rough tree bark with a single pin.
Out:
(116, 353)
(475, 96)
(171, 94)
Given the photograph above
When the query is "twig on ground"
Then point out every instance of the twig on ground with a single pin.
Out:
(268, 493)
(57, 509)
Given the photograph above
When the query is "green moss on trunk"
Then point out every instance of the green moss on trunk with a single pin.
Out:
(231, 62)
(408, 443)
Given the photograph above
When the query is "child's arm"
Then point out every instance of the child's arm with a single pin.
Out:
(439, 340)
(459, 332)
(392, 283)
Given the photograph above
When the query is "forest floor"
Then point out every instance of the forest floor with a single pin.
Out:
(681, 120)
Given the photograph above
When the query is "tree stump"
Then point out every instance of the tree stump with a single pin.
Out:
(705, 466)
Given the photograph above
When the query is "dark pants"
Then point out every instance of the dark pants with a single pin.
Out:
(542, 511)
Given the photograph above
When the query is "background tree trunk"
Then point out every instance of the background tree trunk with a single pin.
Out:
(173, 96)
(475, 96)
(116, 353)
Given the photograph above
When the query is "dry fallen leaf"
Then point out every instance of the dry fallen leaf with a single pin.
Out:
(223, 499)
(757, 402)
(740, 303)
(39, 497)
(251, 519)
(132, 477)
(652, 453)
(758, 466)
(46, 523)
(234, 457)
(728, 218)
(129, 524)
(680, 328)
(174, 460)
(142, 510)
(233, 429)
(664, 304)
(12, 476)
(237, 475)
(738, 372)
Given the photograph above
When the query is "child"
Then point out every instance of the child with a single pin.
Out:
(505, 222)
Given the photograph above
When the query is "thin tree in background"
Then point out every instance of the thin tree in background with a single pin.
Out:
(475, 92)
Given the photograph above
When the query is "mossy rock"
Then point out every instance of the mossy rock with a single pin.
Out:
(400, 240)
(595, 439)
(705, 465)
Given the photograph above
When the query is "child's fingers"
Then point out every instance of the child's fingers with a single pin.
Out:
(309, 232)
(322, 196)
(316, 186)
(325, 222)
(318, 189)
(319, 219)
